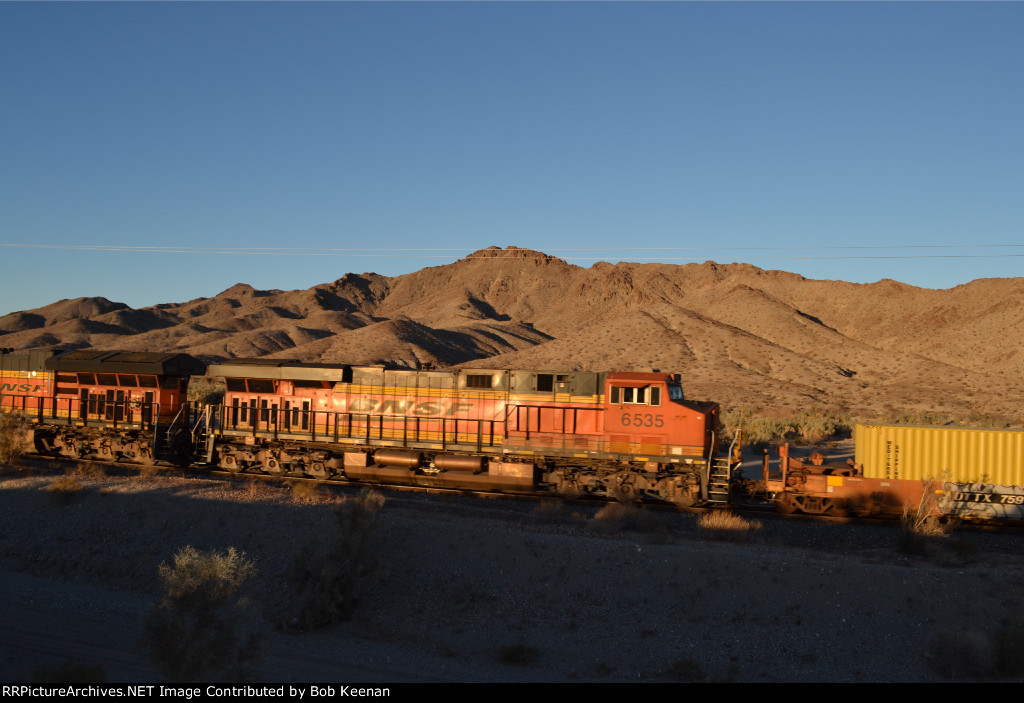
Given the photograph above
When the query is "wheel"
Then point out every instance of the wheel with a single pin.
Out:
(683, 500)
(317, 469)
(230, 463)
(273, 465)
(784, 504)
(568, 487)
(623, 492)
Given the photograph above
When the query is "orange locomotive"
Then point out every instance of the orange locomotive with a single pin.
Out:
(624, 435)
(102, 404)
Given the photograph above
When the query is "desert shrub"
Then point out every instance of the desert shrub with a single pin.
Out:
(64, 489)
(329, 575)
(306, 492)
(921, 525)
(11, 432)
(147, 472)
(205, 391)
(518, 654)
(817, 426)
(812, 426)
(620, 517)
(725, 525)
(918, 417)
(86, 469)
(199, 630)
(756, 430)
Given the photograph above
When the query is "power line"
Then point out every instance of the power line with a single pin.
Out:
(617, 253)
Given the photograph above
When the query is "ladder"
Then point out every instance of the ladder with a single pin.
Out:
(718, 481)
(719, 476)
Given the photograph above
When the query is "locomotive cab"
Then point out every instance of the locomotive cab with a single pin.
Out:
(645, 414)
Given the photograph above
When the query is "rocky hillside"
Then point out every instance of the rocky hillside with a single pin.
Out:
(740, 335)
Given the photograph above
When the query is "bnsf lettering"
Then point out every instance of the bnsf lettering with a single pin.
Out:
(407, 407)
(20, 388)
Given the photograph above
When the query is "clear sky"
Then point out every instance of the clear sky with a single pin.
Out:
(285, 144)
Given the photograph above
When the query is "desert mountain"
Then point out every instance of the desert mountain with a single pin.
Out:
(743, 336)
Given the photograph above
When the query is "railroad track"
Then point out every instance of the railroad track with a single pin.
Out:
(759, 511)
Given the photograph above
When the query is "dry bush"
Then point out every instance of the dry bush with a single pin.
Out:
(199, 630)
(620, 517)
(86, 469)
(812, 426)
(147, 472)
(756, 430)
(817, 426)
(922, 525)
(328, 575)
(727, 526)
(917, 417)
(204, 391)
(11, 441)
(306, 492)
(64, 489)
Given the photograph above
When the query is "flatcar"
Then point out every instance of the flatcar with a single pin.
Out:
(625, 435)
(100, 404)
(967, 473)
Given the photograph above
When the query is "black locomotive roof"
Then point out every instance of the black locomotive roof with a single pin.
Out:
(158, 364)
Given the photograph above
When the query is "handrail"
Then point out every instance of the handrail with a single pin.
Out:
(170, 427)
(204, 419)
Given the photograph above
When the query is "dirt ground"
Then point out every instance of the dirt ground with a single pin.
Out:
(475, 590)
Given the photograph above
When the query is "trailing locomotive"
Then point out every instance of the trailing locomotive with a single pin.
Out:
(103, 404)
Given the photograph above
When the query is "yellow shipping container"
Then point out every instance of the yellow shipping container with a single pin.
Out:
(946, 454)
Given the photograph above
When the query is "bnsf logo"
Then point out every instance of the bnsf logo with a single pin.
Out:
(407, 407)
(20, 388)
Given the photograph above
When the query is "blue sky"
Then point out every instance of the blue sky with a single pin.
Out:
(301, 133)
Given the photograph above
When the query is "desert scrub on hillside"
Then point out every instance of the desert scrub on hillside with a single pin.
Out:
(328, 575)
(811, 426)
(200, 629)
(205, 391)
